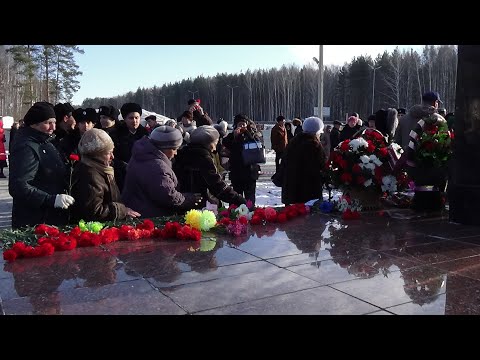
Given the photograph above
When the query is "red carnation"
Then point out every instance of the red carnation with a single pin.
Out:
(345, 145)
(256, 220)
(346, 178)
(383, 151)
(74, 157)
(356, 169)
(9, 255)
(282, 217)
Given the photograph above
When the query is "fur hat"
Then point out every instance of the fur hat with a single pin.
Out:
(39, 112)
(313, 125)
(62, 110)
(297, 122)
(222, 128)
(238, 118)
(128, 108)
(204, 135)
(109, 111)
(86, 115)
(95, 142)
(166, 137)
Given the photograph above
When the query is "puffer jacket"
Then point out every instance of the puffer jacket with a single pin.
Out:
(37, 175)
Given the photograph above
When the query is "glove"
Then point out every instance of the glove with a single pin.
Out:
(63, 201)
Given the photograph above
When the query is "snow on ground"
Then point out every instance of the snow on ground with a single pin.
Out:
(268, 194)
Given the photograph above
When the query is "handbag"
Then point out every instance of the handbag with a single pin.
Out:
(253, 152)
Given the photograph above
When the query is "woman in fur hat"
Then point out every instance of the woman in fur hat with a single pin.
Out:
(94, 182)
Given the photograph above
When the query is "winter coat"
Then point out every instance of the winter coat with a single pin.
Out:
(239, 172)
(69, 144)
(408, 122)
(298, 130)
(196, 172)
(348, 132)
(37, 175)
(97, 196)
(334, 138)
(279, 138)
(304, 161)
(123, 150)
(151, 185)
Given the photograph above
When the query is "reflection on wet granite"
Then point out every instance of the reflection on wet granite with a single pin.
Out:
(416, 285)
(424, 265)
(438, 251)
(131, 297)
(459, 302)
(235, 289)
(161, 280)
(469, 267)
(318, 301)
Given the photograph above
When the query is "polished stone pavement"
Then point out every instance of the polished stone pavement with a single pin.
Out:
(395, 262)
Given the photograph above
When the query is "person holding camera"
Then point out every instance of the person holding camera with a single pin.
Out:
(243, 177)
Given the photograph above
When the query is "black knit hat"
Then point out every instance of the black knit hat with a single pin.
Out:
(39, 112)
(129, 108)
(109, 111)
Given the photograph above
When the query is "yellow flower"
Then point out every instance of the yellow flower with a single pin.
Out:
(192, 218)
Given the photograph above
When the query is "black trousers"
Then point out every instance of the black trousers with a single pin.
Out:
(246, 188)
(278, 157)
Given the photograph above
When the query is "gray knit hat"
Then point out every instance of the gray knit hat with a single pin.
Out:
(95, 142)
(204, 135)
(166, 137)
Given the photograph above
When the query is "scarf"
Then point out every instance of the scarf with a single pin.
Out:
(97, 164)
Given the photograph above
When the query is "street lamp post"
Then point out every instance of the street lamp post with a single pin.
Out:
(320, 82)
(373, 87)
(163, 96)
(193, 93)
(231, 103)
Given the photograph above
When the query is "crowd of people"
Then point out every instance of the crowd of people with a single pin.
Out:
(69, 164)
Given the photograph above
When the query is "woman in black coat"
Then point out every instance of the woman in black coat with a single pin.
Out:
(196, 172)
(303, 165)
(38, 176)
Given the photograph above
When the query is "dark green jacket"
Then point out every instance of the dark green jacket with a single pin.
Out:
(37, 175)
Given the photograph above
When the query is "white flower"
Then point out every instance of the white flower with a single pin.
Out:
(389, 183)
(242, 210)
(367, 183)
(374, 159)
(359, 142)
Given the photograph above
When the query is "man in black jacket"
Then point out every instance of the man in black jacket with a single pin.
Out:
(37, 181)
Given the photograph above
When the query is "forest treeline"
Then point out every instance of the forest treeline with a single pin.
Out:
(400, 78)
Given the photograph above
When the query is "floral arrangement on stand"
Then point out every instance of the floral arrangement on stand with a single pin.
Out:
(362, 166)
(434, 144)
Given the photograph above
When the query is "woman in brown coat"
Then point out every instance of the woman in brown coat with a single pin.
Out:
(93, 181)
